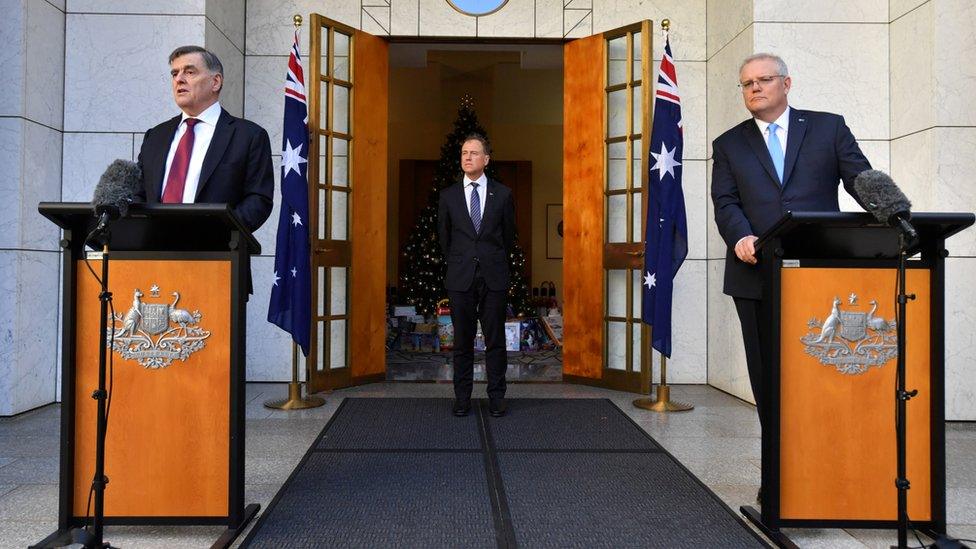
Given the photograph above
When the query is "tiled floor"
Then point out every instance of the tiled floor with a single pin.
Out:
(718, 441)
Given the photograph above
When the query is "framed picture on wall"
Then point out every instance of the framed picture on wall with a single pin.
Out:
(554, 231)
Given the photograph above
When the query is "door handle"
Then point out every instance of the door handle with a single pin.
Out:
(636, 254)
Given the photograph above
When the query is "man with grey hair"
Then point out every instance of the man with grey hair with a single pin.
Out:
(204, 154)
(781, 159)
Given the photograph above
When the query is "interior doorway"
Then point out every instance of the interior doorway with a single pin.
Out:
(517, 92)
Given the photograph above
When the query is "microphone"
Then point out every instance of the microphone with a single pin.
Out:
(885, 201)
(115, 191)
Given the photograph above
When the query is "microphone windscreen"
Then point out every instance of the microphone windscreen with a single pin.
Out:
(880, 194)
(117, 187)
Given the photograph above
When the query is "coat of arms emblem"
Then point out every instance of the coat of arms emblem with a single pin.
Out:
(851, 341)
(156, 334)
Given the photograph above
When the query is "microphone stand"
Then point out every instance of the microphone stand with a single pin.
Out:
(902, 397)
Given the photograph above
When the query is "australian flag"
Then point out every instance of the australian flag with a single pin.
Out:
(291, 293)
(666, 227)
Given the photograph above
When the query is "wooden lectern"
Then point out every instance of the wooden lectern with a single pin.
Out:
(829, 445)
(180, 277)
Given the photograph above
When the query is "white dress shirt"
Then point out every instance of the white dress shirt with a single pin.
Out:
(781, 132)
(202, 136)
(482, 192)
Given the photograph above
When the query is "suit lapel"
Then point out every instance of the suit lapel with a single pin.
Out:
(794, 138)
(459, 202)
(159, 152)
(218, 144)
(489, 202)
(758, 144)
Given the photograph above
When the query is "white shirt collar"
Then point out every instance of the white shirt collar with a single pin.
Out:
(783, 121)
(481, 181)
(209, 116)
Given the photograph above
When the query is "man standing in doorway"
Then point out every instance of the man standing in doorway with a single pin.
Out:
(782, 159)
(476, 228)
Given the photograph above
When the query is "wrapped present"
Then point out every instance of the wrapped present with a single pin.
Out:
(513, 332)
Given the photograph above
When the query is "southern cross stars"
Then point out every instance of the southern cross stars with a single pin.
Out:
(296, 219)
(650, 280)
(277, 278)
(292, 159)
(664, 161)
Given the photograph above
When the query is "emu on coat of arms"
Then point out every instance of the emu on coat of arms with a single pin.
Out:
(156, 334)
(851, 341)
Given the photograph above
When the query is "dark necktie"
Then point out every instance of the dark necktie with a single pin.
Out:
(176, 181)
(475, 208)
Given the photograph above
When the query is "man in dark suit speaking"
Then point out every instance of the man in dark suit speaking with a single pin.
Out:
(782, 159)
(476, 228)
(205, 155)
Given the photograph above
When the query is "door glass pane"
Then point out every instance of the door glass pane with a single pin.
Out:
(638, 234)
(617, 113)
(636, 163)
(337, 354)
(324, 106)
(323, 175)
(323, 208)
(337, 301)
(637, 346)
(340, 63)
(617, 218)
(637, 57)
(324, 45)
(322, 291)
(617, 292)
(617, 345)
(340, 171)
(638, 111)
(320, 365)
(340, 109)
(637, 276)
(617, 166)
(617, 61)
(339, 201)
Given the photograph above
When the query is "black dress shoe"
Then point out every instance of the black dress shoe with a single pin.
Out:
(461, 407)
(497, 407)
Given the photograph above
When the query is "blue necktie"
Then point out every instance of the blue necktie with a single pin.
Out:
(475, 208)
(775, 151)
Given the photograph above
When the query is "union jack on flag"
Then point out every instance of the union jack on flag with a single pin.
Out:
(291, 293)
(666, 226)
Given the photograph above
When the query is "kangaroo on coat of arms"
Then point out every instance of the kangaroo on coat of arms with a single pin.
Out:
(851, 341)
(134, 333)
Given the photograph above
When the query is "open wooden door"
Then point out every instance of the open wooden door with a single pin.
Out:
(348, 88)
(606, 114)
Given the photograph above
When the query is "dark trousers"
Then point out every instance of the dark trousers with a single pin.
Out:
(478, 303)
(752, 336)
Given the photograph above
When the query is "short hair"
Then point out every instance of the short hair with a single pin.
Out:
(780, 64)
(209, 59)
(478, 137)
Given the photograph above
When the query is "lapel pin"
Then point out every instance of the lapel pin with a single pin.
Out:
(801, 119)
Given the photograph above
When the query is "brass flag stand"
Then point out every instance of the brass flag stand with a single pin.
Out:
(294, 400)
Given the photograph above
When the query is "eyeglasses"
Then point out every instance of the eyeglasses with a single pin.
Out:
(763, 81)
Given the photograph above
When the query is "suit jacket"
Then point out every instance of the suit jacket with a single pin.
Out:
(748, 198)
(464, 249)
(237, 169)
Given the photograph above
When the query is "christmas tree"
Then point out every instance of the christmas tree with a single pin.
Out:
(422, 267)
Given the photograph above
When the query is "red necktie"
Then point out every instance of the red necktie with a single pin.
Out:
(176, 181)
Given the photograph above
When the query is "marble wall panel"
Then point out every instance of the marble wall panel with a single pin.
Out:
(270, 29)
(11, 170)
(44, 97)
(86, 155)
(954, 188)
(724, 100)
(168, 7)
(516, 18)
(847, 73)
(58, 4)
(691, 84)
(694, 184)
(913, 73)
(267, 234)
(133, 100)
(824, 11)
(405, 18)
(715, 245)
(898, 8)
(878, 154)
(438, 18)
(960, 340)
(232, 94)
(548, 20)
(268, 346)
(13, 56)
(724, 21)
(40, 182)
(376, 17)
(913, 167)
(727, 368)
(264, 99)
(28, 333)
(687, 23)
(955, 63)
(689, 338)
(228, 16)
(578, 19)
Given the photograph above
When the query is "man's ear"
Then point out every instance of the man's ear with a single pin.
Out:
(218, 82)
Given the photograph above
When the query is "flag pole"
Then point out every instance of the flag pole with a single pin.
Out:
(663, 402)
(295, 401)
